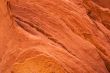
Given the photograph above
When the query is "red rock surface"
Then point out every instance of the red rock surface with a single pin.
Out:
(54, 36)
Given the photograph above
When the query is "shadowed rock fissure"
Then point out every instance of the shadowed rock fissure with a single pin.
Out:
(21, 23)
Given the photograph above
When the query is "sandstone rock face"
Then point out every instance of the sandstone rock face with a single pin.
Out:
(54, 36)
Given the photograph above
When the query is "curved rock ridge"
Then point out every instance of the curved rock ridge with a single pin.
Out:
(54, 36)
(40, 64)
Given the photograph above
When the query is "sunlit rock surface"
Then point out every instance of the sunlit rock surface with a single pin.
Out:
(54, 36)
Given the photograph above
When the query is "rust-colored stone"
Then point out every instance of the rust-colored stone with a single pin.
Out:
(54, 36)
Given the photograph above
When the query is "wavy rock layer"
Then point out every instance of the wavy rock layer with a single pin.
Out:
(54, 36)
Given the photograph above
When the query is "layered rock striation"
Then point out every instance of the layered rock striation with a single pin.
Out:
(54, 36)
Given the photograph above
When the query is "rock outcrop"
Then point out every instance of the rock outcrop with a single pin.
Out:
(54, 36)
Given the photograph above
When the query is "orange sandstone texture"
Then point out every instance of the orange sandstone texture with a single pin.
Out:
(54, 36)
